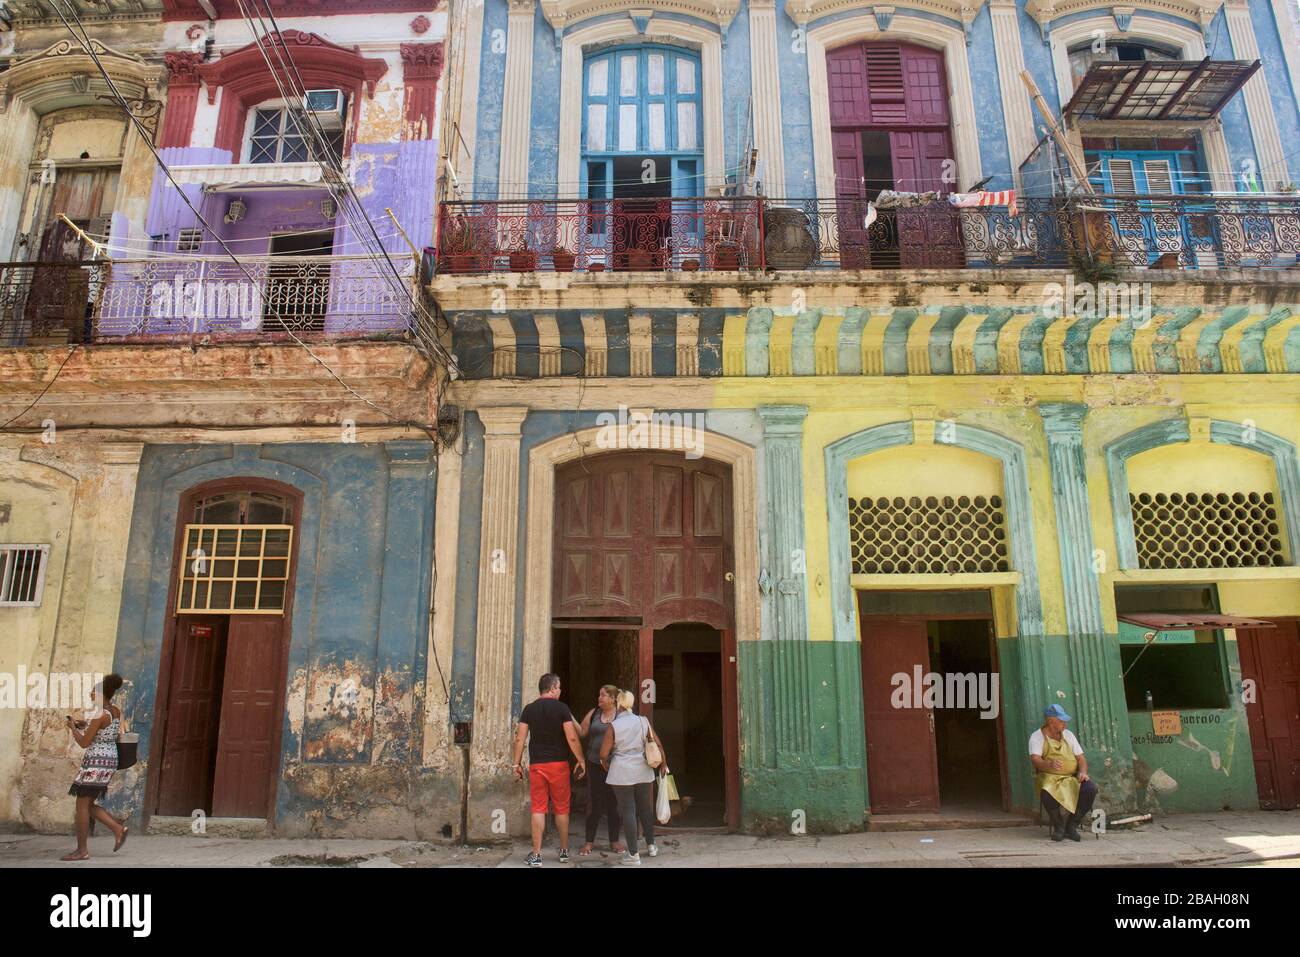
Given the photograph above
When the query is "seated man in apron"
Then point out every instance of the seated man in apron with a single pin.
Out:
(1064, 787)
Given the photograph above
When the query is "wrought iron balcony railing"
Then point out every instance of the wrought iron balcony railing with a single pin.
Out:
(179, 297)
(594, 236)
(48, 303)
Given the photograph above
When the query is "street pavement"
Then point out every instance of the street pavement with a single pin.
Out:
(1224, 839)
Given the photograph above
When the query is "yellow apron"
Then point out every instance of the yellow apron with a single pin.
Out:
(1062, 785)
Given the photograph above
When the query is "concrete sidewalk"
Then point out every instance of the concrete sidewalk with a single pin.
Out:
(1238, 838)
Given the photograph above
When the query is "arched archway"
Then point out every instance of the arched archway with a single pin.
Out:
(904, 629)
(723, 455)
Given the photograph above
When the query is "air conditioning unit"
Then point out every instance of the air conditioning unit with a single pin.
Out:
(329, 107)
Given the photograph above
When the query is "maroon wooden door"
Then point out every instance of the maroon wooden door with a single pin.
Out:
(250, 716)
(927, 235)
(645, 538)
(1270, 657)
(185, 784)
(643, 535)
(902, 758)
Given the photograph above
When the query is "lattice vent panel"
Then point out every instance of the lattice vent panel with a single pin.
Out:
(1206, 529)
(949, 535)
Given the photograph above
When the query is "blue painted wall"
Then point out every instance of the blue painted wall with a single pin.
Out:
(360, 607)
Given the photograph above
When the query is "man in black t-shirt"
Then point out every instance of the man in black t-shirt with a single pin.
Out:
(547, 725)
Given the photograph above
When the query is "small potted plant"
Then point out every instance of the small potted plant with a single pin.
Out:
(726, 254)
(690, 265)
(640, 260)
(597, 266)
(523, 260)
(456, 244)
(563, 259)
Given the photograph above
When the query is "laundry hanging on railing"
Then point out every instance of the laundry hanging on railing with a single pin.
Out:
(898, 199)
(996, 197)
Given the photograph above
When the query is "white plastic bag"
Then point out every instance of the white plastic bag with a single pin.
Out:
(663, 810)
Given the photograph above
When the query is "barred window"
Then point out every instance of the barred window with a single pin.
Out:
(949, 535)
(22, 574)
(1207, 529)
(235, 569)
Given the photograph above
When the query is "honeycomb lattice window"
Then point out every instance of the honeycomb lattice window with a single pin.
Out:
(1206, 529)
(899, 536)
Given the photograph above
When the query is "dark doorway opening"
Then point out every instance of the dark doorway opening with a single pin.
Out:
(298, 292)
(968, 744)
(937, 752)
(643, 188)
(586, 658)
(690, 719)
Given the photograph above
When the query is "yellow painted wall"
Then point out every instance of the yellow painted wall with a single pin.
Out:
(79, 501)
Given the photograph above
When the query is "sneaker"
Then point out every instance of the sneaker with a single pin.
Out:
(564, 855)
(631, 858)
(653, 850)
(533, 860)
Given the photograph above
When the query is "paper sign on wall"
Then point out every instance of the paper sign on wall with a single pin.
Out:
(1166, 722)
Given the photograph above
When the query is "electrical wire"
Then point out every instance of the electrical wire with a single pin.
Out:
(83, 38)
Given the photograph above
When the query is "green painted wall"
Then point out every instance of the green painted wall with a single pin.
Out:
(1208, 767)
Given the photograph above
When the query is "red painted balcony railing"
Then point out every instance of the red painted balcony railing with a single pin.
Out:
(754, 233)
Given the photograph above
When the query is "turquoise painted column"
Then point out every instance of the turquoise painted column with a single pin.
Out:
(1099, 709)
(404, 594)
(785, 599)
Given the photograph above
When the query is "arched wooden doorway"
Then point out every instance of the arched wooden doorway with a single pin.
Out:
(642, 592)
(891, 130)
(221, 681)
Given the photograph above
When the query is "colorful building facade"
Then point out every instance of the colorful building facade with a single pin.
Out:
(704, 387)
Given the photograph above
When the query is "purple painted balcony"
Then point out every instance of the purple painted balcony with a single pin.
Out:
(756, 233)
(272, 296)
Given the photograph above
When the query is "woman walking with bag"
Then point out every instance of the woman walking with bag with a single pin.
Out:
(600, 797)
(630, 754)
(99, 738)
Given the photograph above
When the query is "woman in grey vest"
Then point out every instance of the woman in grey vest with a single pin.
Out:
(631, 777)
(600, 796)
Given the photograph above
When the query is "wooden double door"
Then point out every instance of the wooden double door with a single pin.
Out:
(1270, 657)
(224, 714)
(643, 542)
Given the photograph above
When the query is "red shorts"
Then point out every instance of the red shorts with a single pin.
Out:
(549, 780)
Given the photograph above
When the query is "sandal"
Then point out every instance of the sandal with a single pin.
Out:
(618, 848)
(76, 856)
(584, 851)
(121, 840)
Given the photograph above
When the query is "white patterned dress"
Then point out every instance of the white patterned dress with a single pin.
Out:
(99, 762)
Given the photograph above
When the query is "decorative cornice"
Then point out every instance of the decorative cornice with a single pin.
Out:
(1198, 11)
(306, 49)
(804, 12)
(66, 60)
(562, 13)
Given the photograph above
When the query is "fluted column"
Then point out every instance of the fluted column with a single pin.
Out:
(517, 102)
(1259, 105)
(785, 600)
(766, 75)
(494, 652)
(1015, 98)
(1092, 657)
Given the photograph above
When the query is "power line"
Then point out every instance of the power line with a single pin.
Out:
(83, 38)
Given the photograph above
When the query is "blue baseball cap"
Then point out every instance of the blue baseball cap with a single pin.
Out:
(1055, 711)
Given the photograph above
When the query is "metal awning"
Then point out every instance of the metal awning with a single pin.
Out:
(1161, 621)
(1174, 90)
(226, 177)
